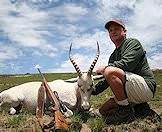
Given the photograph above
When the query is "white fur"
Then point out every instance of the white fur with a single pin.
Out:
(12, 111)
(27, 93)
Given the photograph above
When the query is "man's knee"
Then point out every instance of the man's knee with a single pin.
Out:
(112, 72)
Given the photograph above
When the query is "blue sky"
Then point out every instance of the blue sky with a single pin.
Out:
(36, 32)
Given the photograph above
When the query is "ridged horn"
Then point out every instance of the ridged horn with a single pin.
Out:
(74, 63)
(95, 60)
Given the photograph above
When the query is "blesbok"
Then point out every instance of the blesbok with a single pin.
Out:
(74, 93)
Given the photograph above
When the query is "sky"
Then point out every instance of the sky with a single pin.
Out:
(39, 32)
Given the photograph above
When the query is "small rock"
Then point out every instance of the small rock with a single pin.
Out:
(85, 128)
(107, 129)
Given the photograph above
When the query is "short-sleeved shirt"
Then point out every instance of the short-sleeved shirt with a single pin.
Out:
(130, 57)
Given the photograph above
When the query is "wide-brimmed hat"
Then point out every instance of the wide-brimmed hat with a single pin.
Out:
(119, 22)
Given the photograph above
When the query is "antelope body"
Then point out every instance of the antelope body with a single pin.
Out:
(74, 93)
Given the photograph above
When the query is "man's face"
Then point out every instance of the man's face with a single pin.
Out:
(116, 33)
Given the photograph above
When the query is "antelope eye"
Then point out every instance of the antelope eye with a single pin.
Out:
(89, 89)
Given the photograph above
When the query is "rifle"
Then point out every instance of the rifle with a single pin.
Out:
(59, 120)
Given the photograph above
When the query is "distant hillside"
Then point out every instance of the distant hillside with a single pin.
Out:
(157, 70)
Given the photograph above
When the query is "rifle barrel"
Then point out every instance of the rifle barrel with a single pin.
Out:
(41, 74)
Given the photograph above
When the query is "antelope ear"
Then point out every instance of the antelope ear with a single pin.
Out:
(72, 80)
(98, 77)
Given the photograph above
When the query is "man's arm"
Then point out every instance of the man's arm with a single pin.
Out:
(130, 57)
(100, 87)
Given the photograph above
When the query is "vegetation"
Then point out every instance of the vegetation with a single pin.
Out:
(25, 121)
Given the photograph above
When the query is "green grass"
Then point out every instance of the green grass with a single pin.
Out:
(26, 120)
(7, 81)
(16, 120)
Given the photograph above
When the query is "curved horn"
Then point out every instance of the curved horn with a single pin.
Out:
(74, 64)
(95, 60)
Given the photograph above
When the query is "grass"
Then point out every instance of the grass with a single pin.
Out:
(16, 120)
(26, 121)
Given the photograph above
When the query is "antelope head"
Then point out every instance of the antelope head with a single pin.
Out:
(84, 81)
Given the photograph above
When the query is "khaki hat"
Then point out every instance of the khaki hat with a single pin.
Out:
(119, 22)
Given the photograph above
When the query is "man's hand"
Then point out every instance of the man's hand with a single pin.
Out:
(101, 70)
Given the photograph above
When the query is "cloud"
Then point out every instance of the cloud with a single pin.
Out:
(66, 18)
(8, 53)
(109, 9)
(72, 12)
(26, 27)
(45, 29)
(145, 27)
(156, 61)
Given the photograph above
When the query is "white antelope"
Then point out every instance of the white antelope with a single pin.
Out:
(74, 93)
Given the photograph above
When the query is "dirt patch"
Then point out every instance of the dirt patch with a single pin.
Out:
(28, 123)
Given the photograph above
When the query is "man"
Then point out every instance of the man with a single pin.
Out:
(128, 75)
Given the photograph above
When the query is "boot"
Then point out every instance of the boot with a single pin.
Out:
(123, 114)
(142, 110)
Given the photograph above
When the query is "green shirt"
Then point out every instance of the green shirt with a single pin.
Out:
(130, 57)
